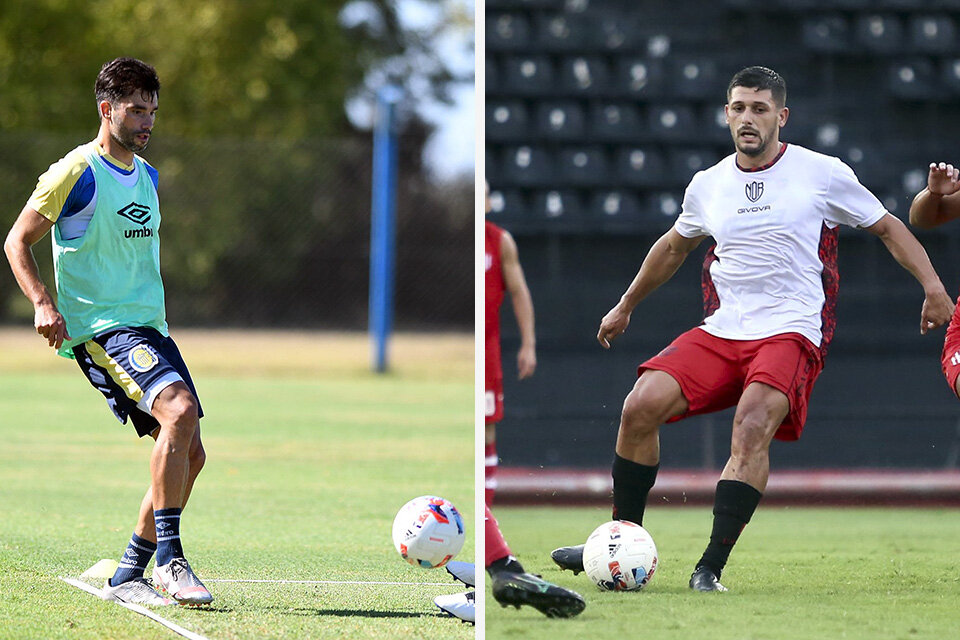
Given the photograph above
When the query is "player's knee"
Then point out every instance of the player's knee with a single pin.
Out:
(751, 436)
(643, 412)
(179, 412)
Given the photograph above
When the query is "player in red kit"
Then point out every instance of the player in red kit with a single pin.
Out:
(511, 584)
(503, 273)
(770, 284)
(938, 203)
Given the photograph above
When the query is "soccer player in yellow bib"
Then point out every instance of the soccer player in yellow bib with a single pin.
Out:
(100, 201)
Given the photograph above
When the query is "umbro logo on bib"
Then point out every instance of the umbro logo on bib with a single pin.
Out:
(140, 214)
(754, 190)
(135, 212)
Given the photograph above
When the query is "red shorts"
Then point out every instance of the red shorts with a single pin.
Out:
(950, 358)
(493, 383)
(713, 372)
(493, 401)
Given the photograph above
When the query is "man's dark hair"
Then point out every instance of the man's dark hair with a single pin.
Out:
(760, 78)
(124, 76)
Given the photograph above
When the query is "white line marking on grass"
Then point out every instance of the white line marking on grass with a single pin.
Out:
(397, 584)
(186, 633)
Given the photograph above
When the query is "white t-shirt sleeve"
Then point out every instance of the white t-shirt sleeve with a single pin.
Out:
(848, 201)
(690, 222)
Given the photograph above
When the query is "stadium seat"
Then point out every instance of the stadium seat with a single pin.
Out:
(683, 163)
(879, 33)
(561, 32)
(640, 166)
(507, 32)
(639, 78)
(491, 164)
(713, 124)
(828, 33)
(672, 122)
(665, 205)
(583, 75)
(867, 161)
(932, 34)
(852, 5)
(950, 74)
(914, 180)
(491, 74)
(902, 5)
(693, 78)
(583, 166)
(528, 75)
(560, 120)
(528, 166)
(616, 32)
(508, 207)
(913, 79)
(618, 210)
(615, 122)
(506, 120)
(806, 115)
(560, 211)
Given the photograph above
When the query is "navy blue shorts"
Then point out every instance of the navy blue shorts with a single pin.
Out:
(130, 366)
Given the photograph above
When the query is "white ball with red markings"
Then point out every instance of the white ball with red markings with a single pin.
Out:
(428, 532)
(620, 556)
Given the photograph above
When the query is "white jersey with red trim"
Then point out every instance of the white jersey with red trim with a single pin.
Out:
(768, 226)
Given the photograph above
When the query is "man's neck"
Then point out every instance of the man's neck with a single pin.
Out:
(112, 148)
(752, 162)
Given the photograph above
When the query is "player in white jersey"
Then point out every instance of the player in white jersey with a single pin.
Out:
(769, 291)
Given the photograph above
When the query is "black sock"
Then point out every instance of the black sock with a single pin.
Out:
(733, 507)
(632, 482)
(506, 564)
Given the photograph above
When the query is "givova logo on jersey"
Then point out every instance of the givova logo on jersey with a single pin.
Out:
(139, 214)
(753, 191)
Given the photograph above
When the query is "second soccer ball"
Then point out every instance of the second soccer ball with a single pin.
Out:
(620, 556)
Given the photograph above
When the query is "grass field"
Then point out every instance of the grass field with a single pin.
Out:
(807, 574)
(309, 456)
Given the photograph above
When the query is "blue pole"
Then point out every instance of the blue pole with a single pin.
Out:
(383, 225)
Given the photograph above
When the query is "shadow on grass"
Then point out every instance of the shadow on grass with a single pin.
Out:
(347, 613)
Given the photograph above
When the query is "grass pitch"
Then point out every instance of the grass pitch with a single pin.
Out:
(797, 573)
(309, 456)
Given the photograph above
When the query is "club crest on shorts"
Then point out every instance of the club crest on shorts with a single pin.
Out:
(142, 358)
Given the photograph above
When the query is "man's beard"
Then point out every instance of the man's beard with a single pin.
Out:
(753, 152)
(127, 139)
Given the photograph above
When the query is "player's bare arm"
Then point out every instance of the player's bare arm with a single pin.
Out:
(516, 285)
(907, 250)
(662, 261)
(27, 230)
(939, 202)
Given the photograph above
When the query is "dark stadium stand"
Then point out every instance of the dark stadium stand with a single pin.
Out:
(598, 114)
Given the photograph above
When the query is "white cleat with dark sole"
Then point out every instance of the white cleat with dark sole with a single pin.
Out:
(136, 591)
(465, 572)
(459, 605)
(179, 581)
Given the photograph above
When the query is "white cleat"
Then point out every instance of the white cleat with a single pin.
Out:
(181, 583)
(465, 572)
(459, 605)
(136, 591)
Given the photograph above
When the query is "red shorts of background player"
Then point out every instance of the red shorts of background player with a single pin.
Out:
(950, 358)
(713, 372)
(493, 401)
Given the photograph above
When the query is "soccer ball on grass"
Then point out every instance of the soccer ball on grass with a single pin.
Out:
(428, 532)
(620, 556)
